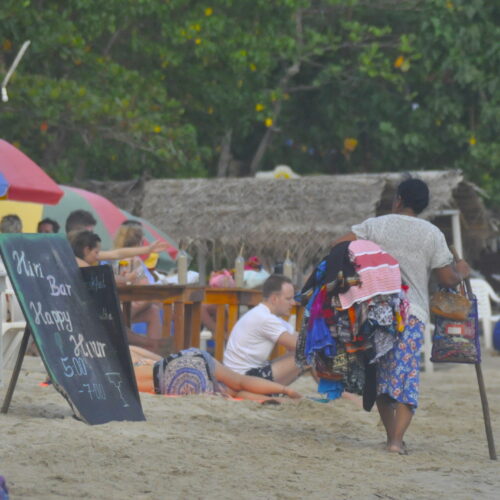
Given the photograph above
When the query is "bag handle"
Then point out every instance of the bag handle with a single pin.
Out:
(465, 281)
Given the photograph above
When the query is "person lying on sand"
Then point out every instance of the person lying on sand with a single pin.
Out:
(147, 365)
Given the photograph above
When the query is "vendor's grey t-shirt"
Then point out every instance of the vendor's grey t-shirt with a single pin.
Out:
(419, 247)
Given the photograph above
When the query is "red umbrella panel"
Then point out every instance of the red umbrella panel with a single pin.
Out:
(109, 217)
(21, 179)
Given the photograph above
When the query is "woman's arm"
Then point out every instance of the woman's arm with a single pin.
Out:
(125, 253)
(452, 275)
(347, 237)
(243, 383)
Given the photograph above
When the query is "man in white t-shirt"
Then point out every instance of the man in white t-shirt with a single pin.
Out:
(257, 332)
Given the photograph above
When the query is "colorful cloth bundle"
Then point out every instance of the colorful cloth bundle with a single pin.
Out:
(341, 342)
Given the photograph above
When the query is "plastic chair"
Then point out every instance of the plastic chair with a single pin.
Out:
(12, 328)
(427, 348)
(485, 294)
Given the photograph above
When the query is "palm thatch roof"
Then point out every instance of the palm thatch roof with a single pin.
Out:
(303, 216)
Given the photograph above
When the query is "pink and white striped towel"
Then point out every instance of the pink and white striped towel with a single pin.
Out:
(379, 273)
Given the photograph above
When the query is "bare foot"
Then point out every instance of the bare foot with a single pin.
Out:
(395, 448)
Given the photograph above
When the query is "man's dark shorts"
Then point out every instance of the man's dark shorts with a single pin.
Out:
(262, 372)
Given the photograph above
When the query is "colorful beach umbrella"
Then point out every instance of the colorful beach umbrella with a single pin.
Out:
(21, 179)
(109, 217)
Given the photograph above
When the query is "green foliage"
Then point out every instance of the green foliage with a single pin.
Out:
(118, 88)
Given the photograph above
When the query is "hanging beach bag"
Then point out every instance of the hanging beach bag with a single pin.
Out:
(449, 304)
(191, 371)
(456, 333)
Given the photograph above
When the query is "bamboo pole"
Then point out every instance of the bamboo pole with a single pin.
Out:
(480, 381)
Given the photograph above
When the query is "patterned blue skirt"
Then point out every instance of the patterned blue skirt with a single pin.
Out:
(398, 371)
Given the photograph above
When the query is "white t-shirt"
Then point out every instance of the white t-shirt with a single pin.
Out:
(419, 247)
(253, 338)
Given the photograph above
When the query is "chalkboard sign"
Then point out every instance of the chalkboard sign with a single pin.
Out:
(80, 336)
(100, 282)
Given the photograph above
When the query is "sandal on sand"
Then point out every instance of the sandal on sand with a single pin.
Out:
(270, 402)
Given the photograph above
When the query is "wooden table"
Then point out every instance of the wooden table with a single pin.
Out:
(183, 302)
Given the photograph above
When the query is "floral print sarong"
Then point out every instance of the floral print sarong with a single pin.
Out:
(398, 371)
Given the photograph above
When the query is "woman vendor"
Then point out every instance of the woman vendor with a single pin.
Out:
(420, 248)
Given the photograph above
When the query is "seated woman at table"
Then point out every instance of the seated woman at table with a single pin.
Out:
(134, 272)
(131, 234)
(152, 372)
(87, 249)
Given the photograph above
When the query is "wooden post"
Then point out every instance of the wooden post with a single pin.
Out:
(480, 382)
(239, 269)
(179, 326)
(192, 327)
(486, 412)
(201, 256)
(166, 328)
(182, 267)
(17, 370)
(220, 321)
(288, 266)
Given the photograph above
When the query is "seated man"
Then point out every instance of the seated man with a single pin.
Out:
(259, 330)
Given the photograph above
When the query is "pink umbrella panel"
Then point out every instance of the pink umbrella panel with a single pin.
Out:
(21, 179)
(108, 217)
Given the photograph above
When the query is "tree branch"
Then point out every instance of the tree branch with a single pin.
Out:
(112, 41)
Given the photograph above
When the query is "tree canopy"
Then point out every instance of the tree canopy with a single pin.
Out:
(179, 88)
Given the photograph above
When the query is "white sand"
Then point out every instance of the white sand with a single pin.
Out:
(208, 447)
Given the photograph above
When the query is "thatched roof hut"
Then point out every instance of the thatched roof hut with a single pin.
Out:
(215, 217)
(303, 216)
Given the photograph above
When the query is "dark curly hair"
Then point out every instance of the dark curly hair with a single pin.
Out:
(414, 194)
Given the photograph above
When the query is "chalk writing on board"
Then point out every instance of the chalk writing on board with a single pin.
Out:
(105, 315)
(115, 378)
(95, 391)
(88, 348)
(25, 266)
(96, 283)
(74, 366)
(61, 319)
(57, 289)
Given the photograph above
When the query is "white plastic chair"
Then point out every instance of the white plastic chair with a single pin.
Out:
(485, 294)
(12, 328)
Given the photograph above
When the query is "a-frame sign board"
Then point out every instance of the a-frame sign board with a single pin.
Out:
(75, 319)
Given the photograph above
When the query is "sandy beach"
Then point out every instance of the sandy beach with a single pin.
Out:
(209, 447)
